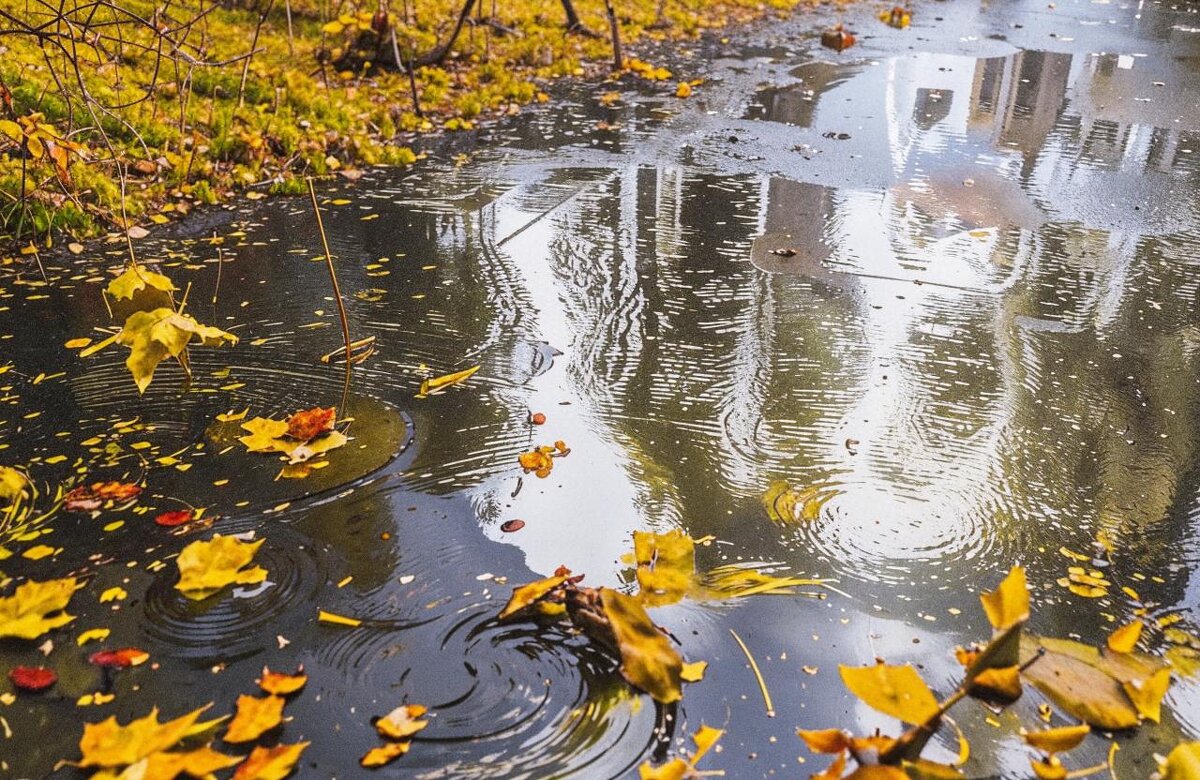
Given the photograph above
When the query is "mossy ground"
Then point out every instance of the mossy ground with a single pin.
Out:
(196, 134)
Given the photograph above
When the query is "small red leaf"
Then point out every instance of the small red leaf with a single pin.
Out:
(32, 678)
(172, 519)
(119, 659)
(311, 423)
(512, 525)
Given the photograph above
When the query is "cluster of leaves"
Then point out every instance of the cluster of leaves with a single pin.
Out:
(1111, 688)
(145, 748)
(298, 439)
(155, 328)
(397, 729)
(540, 460)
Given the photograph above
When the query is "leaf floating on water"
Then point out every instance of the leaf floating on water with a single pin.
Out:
(837, 38)
(13, 484)
(119, 659)
(36, 608)
(205, 567)
(232, 416)
(32, 678)
(337, 620)
(274, 763)
(648, 660)
(402, 722)
(693, 672)
(897, 691)
(437, 384)
(666, 566)
(898, 17)
(201, 762)
(110, 745)
(1125, 638)
(280, 684)
(922, 769)
(303, 436)
(385, 754)
(785, 505)
(311, 423)
(173, 518)
(1058, 740)
(1183, 762)
(525, 596)
(136, 278)
(87, 498)
(255, 717)
(1008, 604)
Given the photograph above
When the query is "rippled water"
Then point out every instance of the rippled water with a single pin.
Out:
(956, 288)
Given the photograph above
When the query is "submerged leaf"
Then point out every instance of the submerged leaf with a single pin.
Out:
(666, 566)
(648, 660)
(36, 608)
(893, 690)
(786, 505)
(205, 567)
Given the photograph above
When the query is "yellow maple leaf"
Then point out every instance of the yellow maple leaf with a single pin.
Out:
(273, 763)
(35, 608)
(207, 566)
(153, 336)
(255, 717)
(134, 279)
(109, 744)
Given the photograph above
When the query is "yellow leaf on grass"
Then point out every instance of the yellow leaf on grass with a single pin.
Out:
(893, 690)
(109, 744)
(1125, 638)
(431, 386)
(1008, 604)
(524, 596)
(402, 722)
(36, 608)
(1183, 762)
(386, 754)
(274, 763)
(1058, 740)
(254, 718)
(648, 660)
(205, 567)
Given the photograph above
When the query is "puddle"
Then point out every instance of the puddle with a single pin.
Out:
(973, 321)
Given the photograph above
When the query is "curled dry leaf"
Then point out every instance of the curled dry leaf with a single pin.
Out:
(36, 608)
(32, 678)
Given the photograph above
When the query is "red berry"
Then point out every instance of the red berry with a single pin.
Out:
(537, 418)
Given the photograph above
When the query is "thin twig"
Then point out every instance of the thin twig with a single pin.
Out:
(337, 293)
(762, 684)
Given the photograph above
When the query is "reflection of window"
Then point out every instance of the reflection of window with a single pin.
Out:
(931, 106)
(1029, 78)
(989, 74)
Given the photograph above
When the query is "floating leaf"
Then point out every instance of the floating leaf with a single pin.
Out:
(681, 769)
(997, 684)
(205, 567)
(1049, 768)
(648, 660)
(173, 518)
(274, 763)
(279, 684)
(1008, 604)
(385, 754)
(119, 659)
(337, 620)
(666, 566)
(36, 608)
(893, 690)
(87, 498)
(264, 435)
(255, 717)
(32, 678)
(402, 722)
(437, 384)
(311, 423)
(1183, 762)
(923, 769)
(1079, 688)
(1058, 740)
(201, 763)
(1147, 694)
(109, 744)
(524, 596)
(693, 672)
(1125, 638)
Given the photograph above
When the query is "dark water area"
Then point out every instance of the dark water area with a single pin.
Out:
(949, 277)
